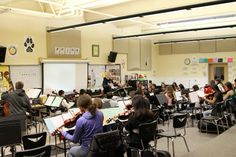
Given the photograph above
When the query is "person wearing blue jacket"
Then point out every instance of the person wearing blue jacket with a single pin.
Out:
(90, 123)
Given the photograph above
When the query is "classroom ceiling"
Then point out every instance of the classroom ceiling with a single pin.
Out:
(93, 10)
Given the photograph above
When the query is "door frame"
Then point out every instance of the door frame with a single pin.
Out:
(211, 66)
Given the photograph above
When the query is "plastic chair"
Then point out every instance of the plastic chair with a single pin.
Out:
(12, 128)
(44, 151)
(147, 133)
(107, 144)
(179, 122)
(30, 143)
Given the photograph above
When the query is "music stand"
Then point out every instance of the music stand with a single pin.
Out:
(162, 99)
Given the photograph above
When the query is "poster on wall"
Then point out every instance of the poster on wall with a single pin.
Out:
(29, 44)
(115, 72)
(95, 75)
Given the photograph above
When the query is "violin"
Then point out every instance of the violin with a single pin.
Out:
(69, 123)
(122, 116)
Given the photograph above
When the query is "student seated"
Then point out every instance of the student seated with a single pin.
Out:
(140, 115)
(108, 102)
(217, 97)
(65, 103)
(90, 123)
(229, 91)
(169, 93)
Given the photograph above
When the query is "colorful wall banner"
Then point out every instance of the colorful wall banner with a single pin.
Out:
(216, 60)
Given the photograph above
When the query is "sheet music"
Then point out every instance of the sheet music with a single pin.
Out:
(71, 104)
(49, 100)
(200, 93)
(122, 103)
(67, 116)
(57, 101)
(33, 93)
(110, 113)
(74, 111)
(193, 97)
(53, 123)
(178, 96)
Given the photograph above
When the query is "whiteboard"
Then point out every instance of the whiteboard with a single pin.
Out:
(65, 76)
(30, 75)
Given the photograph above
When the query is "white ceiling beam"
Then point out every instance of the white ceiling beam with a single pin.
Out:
(109, 15)
(41, 6)
(51, 7)
(49, 2)
(63, 3)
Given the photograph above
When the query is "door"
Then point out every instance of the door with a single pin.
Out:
(218, 70)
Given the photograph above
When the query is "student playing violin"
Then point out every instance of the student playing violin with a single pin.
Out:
(140, 115)
(90, 123)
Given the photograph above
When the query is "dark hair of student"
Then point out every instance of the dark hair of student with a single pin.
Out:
(61, 92)
(181, 86)
(82, 91)
(212, 83)
(218, 80)
(234, 80)
(19, 85)
(216, 88)
(141, 107)
(85, 102)
(195, 87)
(229, 85)
(109, 95)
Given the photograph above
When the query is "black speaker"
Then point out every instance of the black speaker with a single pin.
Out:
(112, 56)
(2, 54)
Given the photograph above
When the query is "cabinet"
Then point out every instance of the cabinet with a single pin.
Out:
(139, 52)
(145, 54)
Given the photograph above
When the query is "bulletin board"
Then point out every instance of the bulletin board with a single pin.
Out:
(96, 74)
(4, 86)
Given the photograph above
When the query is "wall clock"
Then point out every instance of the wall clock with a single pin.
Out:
(187, 61)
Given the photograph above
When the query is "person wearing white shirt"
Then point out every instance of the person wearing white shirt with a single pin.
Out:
(64, 104)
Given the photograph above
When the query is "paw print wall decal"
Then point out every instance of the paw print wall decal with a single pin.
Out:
(29, 44)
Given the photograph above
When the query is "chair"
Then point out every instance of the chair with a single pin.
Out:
(11, 128)
(216, 118)
(147, 133)
(107, 144)
(44, 151)
(30, 143)
(179, 122)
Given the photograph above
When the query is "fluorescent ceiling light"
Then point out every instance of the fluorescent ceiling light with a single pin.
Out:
(198, 21)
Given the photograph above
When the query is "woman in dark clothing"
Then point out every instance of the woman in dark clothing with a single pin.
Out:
(217, 97)
(140, 115)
